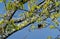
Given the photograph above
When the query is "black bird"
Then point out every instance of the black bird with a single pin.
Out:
(40, 25)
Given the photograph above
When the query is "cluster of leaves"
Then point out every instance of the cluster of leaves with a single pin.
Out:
(48, 10)
(49, 37)
(1, 0)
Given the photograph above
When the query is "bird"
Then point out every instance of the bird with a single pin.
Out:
(40, 26)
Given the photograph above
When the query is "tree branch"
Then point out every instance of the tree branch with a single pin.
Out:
(23, 25)
(9, 16)
(20, 20)
(41, 3)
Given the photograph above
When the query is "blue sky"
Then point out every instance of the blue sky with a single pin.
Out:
(36, 34)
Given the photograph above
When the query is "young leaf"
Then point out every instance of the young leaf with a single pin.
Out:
(32, 27)
(1, 0)
(49, 37)
(52, 27)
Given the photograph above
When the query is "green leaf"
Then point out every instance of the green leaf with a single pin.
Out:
(32, 27)
(52, 27)
(49, 37)
(56, 23)
(1, 0)
(38, 20)
(4, 1)
(17, 28)
(57, 3)
(1, 21)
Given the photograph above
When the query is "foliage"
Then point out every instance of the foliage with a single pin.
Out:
(37, 12)
(1, 0)
(52, 27)
(49, 37)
